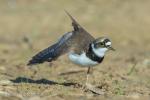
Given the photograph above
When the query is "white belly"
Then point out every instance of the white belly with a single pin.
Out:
(82, 59)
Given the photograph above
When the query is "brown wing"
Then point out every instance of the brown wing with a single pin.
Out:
(77, 40)
(81, 38)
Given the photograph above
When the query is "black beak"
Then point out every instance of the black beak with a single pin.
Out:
(111, 48)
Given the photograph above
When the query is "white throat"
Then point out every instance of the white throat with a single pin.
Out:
(100, 52)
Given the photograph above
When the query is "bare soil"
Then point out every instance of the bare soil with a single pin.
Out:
(28, 26)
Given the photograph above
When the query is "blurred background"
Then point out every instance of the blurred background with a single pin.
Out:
(28, 26)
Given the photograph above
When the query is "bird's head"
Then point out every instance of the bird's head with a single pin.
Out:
(101, 45)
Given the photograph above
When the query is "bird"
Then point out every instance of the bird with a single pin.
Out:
(82, 48)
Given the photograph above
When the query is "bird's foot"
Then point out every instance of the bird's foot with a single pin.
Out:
(93, 89)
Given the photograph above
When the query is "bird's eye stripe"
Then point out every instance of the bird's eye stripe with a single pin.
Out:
(107, 40)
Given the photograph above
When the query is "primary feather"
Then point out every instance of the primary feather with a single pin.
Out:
(52, 52)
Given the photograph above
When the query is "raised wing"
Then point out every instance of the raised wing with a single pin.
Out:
(81, 38)
(52, 52)
(77, 40)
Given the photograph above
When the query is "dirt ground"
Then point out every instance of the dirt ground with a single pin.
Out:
(28, 26)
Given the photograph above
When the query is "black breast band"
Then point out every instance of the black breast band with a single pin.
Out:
(90, 54)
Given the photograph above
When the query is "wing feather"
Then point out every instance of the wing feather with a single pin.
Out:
(52, 52)
(79, 39)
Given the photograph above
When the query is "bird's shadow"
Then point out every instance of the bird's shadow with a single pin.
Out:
(44, 81)
(49, 82)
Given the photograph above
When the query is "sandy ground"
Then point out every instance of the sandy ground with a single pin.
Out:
(28, 26)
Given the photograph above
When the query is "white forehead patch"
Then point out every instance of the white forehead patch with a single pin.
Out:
(108, 43)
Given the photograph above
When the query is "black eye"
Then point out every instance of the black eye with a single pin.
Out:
(101, 43)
